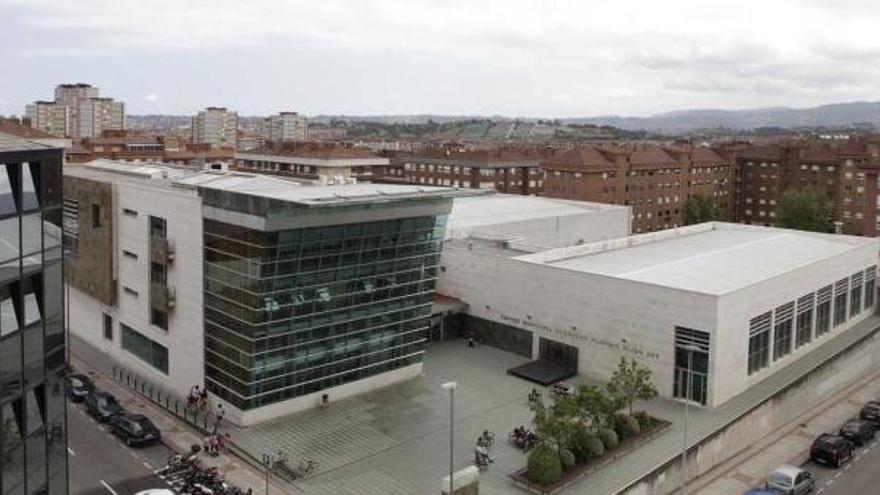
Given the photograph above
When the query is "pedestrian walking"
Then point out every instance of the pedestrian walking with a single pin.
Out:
(219, 417)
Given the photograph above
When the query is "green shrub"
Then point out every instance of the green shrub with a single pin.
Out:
(580, 444)
(626, 426)
(608, 438)
(566, 457)
(646, 421)
(544, 466)
(595, 447)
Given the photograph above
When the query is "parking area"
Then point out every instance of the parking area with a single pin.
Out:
(793, 447)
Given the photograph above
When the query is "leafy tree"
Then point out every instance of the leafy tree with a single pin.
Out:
(594, 406)
(804, 209)
(543, 465)
(631, 381)
(699, 209)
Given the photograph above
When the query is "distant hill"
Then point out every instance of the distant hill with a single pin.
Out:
(833, 115)
(837, 115)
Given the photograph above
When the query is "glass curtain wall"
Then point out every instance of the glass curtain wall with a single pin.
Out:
(295, 312)
(32, 407)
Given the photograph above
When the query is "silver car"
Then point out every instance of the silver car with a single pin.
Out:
(791, 480)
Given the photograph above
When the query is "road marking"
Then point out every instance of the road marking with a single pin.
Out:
(828, 483)
(857, 458)
(101, 428)
(108, 487)
(874, 444)
(846, 468)
(147, 465)
(866, 451)
(134, 455)
(820, 490)
(839, 473)
(70, 451)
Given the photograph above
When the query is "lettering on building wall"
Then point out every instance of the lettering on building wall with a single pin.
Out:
(575, 335)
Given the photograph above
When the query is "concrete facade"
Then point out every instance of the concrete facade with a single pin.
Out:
(607, 316)
(129, 254)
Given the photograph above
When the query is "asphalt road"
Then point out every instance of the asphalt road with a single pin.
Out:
(855, 477)
(101, 465)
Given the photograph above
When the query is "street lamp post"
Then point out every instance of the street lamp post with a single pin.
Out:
(267, 463)
(687, 399)
(451, 386)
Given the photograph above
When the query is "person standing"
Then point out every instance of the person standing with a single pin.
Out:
(221, 413)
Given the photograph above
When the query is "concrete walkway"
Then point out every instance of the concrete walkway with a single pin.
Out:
(177, 435)
(789, 445)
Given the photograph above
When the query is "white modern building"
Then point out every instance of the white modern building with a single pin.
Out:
(286, 126)
(275, 294)
(737, 302)
(135, 268)
(216, 126)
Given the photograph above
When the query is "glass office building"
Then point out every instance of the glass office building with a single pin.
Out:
(33, 443)
(305, 295)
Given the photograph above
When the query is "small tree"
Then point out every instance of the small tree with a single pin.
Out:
(804, 209)
(699, 208)
(631, 381)
(544, 466)
(594, 406)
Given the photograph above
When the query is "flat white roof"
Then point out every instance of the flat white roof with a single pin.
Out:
(712, 258)
(493, 209)
(310, 192)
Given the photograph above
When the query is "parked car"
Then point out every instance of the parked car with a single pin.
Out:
(791, 480)
(79, 387)
(134, 429)
(858, 431)
(156, 491)
(831, 449)
(761, 491)
(871, 412)
(102, 406)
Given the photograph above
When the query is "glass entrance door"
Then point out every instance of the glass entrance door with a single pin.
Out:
(558, 353)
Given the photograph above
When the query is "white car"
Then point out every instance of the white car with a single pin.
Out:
(156, 491)
(791, 480)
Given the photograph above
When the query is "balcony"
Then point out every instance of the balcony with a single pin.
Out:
(161, 250)
(162, 297)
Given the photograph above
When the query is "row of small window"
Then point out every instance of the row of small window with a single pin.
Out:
(798, 323)
(761, 213)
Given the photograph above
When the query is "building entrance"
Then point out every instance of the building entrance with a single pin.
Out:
(562, 355)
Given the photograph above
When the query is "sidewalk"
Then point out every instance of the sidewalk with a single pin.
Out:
(789, 445)
(177, 435)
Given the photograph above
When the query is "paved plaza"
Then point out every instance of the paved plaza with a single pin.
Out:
(396, 440)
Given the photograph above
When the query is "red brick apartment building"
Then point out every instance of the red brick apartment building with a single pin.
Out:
(654, 180)
(312, 160)
(507, 170)
(845, 171)
(132, 146)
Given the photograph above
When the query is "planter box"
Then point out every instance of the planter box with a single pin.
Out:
(584, 469)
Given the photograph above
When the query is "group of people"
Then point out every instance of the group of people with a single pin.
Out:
(481, 451)
(198, 397)
(534, 396)
(217, 443)
(523, 437)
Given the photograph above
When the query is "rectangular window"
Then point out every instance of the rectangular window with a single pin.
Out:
(823, 310)
(759, 342)
(159, 318)
(96, 216)
(782, 330)
(855, 294)
(158, 227)
(108, 327)
(158, 273)
(129, 254)
(840, 288)
(870, 281)
(804, 320)
(691, 364)
(149, 351)
(129, 212)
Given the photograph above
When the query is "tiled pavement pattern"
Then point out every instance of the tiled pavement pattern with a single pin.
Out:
(395, 440)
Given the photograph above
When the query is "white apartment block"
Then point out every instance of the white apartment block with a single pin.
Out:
(73, 96)
(286, 126)
(99, 114)
(215, 126)
(49, 116)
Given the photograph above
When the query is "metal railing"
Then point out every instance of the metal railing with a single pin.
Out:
(172, 402)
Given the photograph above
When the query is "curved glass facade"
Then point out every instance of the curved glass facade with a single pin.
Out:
(297, 311)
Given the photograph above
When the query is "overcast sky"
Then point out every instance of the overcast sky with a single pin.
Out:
(509, 57)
